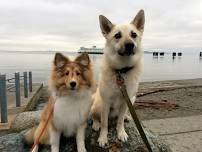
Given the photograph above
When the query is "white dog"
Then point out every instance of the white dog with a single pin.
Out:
(122, 53)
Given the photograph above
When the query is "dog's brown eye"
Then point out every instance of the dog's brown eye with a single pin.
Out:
(77, 73)
(117, 35)
(67, 73)
(133, 34)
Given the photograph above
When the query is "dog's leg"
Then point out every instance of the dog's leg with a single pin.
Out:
(96, 124)
(122, 135)
(80, 138)
(104, 125)
(54, 140)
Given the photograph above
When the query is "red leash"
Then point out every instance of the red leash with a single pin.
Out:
(37, 141)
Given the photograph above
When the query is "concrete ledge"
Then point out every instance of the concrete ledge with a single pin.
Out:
(27, 104)
(176, 125)
(6, 126)
(34, 99)
(182, 134)
(187, 142)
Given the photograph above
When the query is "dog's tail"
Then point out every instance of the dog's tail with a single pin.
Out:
(29, 135)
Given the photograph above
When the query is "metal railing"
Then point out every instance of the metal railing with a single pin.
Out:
(13, 85)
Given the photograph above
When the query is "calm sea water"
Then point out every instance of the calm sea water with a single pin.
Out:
(163, 68)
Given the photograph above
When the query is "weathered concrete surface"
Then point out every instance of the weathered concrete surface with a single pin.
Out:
(185, 142)
(175, 125)
(183, 134)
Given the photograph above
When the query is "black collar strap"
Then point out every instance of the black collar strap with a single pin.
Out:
(124, 70)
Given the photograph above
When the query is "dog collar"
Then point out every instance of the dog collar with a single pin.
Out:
(124, 70)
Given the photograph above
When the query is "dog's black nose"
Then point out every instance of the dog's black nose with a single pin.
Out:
(129, 46)
(73, 84)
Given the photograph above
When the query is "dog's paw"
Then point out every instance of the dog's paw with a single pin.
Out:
(127, 118)
(54, 149)
(122, 135)
(96, 125)
(82, 149)
(102, 140)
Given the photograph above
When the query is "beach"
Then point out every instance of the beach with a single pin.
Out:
(186, 94)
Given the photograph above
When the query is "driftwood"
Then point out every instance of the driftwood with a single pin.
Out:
(162, 104)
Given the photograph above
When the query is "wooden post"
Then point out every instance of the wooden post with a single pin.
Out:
(3, 99)
(25, 84)
(17, 89)
(30, 81)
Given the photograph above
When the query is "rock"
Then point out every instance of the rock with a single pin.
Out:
(12, 143)
(134, 143)
(25, 120)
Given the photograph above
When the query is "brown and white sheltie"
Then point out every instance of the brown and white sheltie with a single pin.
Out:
(71, 85)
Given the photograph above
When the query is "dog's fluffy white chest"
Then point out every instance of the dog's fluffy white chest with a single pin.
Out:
(71, 112)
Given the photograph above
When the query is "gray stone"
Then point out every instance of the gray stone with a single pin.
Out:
(25, 120)
(12, 143)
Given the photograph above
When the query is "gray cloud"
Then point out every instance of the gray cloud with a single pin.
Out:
(68, 24)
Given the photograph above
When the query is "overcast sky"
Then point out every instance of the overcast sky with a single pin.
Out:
(66, 25)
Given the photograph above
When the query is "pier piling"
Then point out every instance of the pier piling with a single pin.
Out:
(3, 99)
(161, 53)
(155, 54)
(179, 53)
(30, 81)
(17, 89)
(25, 85)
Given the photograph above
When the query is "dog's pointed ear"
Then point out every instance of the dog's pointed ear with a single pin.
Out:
(83, 59)
(139, 20)
(60, 60)
(105, 25)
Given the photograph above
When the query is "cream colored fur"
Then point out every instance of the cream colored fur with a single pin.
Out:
(108, 95)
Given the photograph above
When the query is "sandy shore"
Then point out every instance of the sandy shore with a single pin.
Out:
(187, 94)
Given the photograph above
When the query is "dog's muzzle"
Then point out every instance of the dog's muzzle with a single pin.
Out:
(129, 49)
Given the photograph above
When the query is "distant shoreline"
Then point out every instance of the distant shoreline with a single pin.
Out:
(53, 52)
(39, 52)
(90, 52)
